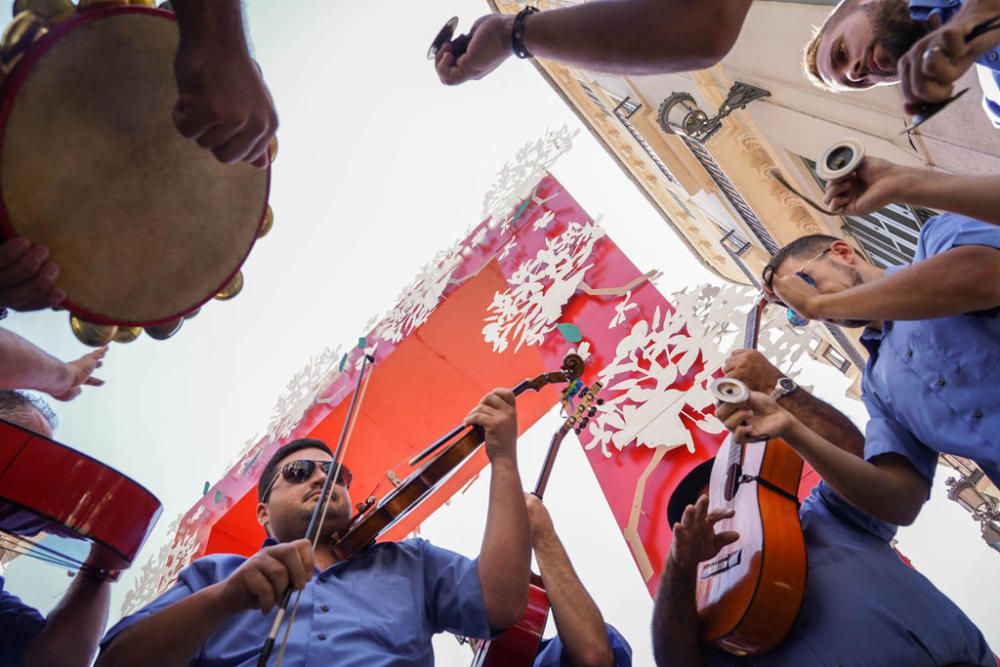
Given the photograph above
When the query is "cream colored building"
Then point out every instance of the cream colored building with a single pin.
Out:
(719, 192)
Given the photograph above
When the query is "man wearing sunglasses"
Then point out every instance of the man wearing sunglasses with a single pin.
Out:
(920, 44)
(381, 607)
(933, 337)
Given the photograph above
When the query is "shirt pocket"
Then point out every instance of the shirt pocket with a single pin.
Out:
(389, 613)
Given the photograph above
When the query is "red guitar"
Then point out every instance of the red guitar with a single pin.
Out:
(518, 644)
(46, 487)
(750, 593)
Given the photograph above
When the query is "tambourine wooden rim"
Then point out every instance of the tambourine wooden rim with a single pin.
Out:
(8, 95)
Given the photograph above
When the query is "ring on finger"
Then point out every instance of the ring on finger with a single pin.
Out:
(930, 51)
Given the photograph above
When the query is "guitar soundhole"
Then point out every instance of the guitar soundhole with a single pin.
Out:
(733, 475)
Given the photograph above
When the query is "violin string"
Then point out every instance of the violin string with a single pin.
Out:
(326, 506)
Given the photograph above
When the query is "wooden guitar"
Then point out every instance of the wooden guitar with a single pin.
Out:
(518, 644)
(749, 595)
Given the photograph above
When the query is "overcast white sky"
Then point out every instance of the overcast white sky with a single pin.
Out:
(379, 168)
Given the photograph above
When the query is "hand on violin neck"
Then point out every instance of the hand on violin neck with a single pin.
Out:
(263, 579)
(496, 414)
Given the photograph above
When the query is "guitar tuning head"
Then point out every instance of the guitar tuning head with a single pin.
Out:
(591, 412)
(600, 401)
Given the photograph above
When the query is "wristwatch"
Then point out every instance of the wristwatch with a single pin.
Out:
(783, 387)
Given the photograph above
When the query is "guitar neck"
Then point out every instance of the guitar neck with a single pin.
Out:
(752, 333)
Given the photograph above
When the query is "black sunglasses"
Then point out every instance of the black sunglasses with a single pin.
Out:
(302, 470)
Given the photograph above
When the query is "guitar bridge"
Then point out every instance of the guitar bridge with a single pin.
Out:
(721, 564)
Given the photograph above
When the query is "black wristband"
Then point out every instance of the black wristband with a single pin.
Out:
(517, 33)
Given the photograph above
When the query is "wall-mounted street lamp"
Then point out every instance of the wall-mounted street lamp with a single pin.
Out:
(680, 114)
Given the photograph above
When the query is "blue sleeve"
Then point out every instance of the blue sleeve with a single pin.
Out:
(885, 435)
(951, 230)
(19, 624)
(551, 653)
(923, 10)
(454, 596)
(196, 576)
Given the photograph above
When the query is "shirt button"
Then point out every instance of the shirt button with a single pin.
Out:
(992, 57)
(909, 354)
(321, 636)
(325, 607)
(940, 382)
(977, 414)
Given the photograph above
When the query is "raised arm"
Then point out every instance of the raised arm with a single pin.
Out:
(761, 375)
(676, 641)
(889, 488)
(878, 182)
(929, 69)
(25, 366)
(505, 557)
(579, 622)
(619, 36)
(74, 627)
(965, 279)
(223, 103)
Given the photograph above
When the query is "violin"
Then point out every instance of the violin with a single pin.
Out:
(47, 487)
(371, 522)
(518, 644)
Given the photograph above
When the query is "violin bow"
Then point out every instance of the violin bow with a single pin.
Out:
(318, 516)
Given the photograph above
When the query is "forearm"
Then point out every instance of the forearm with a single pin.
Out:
(869, 487)
(213, 23)
(24, 366)
(170, 637)
(824, 419)
(74, 628)
(975, 196)
(637, 36)
(505, 557)
(579, 623)
(675, 619)
(963, 280)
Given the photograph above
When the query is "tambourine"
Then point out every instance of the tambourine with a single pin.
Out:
(144, 224)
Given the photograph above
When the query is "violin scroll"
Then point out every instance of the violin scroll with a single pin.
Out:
(573, 366)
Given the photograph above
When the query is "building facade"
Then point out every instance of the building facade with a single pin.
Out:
(717, 186)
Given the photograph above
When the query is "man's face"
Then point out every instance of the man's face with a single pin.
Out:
(33, 420)
(829, 272)
(864, 48)
(289, 507)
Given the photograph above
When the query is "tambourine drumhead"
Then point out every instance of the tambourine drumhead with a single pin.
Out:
(144, 224)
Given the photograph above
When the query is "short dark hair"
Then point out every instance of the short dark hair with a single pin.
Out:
(813, 244)
(16, 404)
(271, 469)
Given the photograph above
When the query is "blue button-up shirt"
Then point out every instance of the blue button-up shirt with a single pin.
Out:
(378, 609)
(863, 606)
(552, 652)
(930, 386)
(987, 65)
(19, 624)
